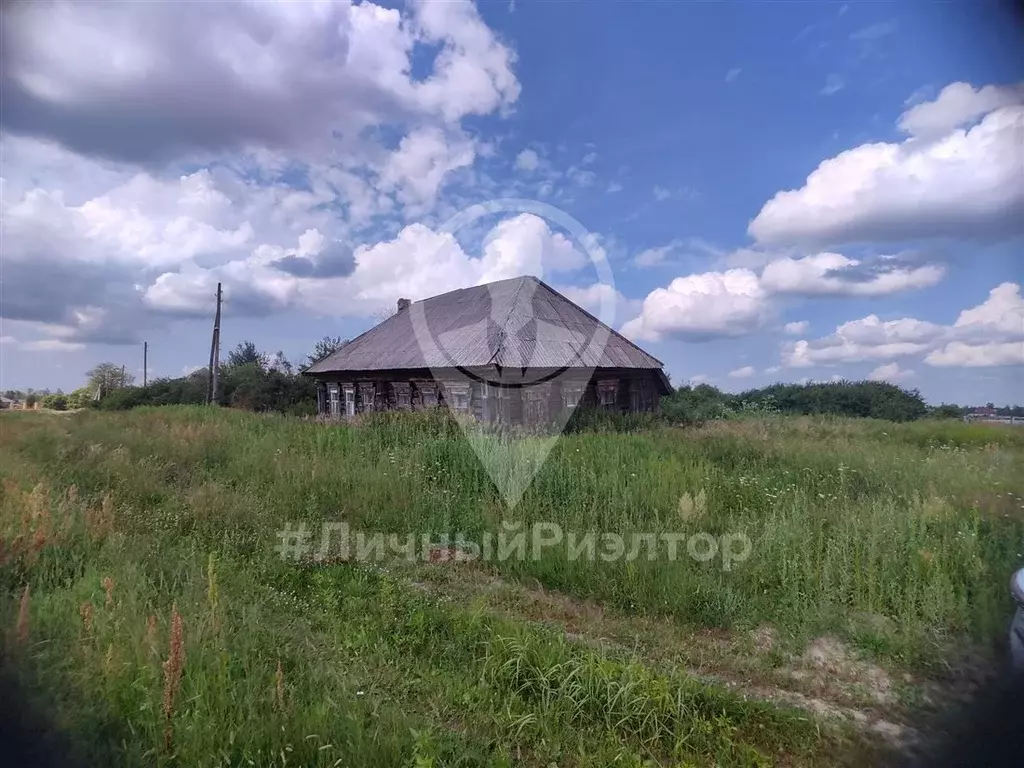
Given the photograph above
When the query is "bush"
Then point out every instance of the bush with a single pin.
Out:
(57, 402)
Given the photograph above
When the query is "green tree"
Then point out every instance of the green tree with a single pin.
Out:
(109, 376)
(246, 353)
(328, 345)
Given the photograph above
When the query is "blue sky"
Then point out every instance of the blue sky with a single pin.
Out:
(783, 191)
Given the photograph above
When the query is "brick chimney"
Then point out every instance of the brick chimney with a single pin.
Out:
(403, 304)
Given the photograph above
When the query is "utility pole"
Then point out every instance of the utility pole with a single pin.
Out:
(122, 375)
(211, 394)
(145, 361)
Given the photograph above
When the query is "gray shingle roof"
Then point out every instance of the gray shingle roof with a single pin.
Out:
(517, 322)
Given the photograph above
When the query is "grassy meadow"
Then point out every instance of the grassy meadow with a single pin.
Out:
(146, 611)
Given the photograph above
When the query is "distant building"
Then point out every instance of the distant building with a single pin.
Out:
(513, 351)
(7, 402)
(987, 415)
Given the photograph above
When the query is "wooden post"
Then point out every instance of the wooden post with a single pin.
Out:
(211, 395)
(145, 361)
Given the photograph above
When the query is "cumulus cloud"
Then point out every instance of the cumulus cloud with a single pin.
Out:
(832, 274)
(418, 168)
(957, 105)
(702, 306)
(739, 301)
(796, 327)
(417, 263)
(318, 136)
(148, 81)
(890, 372)
(964, 183)
(527, 160)
(961, 355)
(989, 334)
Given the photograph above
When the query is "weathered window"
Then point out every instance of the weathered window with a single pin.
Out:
(458, 397)
(334, 405)
(403, 396)
(350, 400)
(367, 397)
(571, 395)
(429, 395)
(607, 390)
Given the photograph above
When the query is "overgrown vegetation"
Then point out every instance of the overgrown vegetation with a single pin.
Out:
(896, 539)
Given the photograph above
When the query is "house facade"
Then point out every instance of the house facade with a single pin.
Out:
(514, 351)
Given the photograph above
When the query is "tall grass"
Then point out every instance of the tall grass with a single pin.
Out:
(146, 606)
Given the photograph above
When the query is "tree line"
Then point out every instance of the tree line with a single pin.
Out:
(248, 379)
(864, 399)
(253, 380)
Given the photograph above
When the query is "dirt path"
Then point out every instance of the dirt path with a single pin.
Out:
(826, 678)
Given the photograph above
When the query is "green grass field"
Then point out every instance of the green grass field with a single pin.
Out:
(146, 610)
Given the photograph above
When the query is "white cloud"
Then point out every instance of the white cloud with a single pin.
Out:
(823, 275)
(614, 187)
(743, 373)
(581, 177)
(797, 327)
(418, 168)
(420, 262)
(869, 338)
(653, 257)
(957, 105)
(661, 193)
(890, 372)
(211, 77)
(738, 301)
(595, 297)
(588, 158)
(964, 184)
(732, 75)
(833, 84)
(989, 334)
(270, 91)
(961, 355)
(702, 306)
(1000, 315)
(527, 160)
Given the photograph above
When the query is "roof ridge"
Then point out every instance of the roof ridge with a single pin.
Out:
(503, 335)
(601, 322)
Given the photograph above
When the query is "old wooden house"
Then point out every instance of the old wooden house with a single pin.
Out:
(513, 351)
